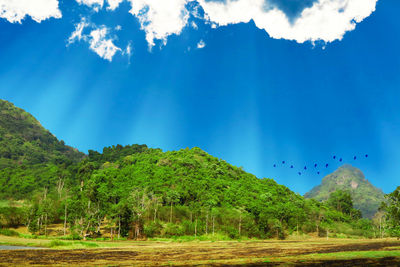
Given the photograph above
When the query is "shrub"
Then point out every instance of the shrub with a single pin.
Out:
(8, 232)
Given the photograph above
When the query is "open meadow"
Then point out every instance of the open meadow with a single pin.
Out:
(332, 252)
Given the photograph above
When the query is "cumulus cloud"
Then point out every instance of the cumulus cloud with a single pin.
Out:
(39, 10)
(98, 38)
(310, 20)
(113, 4)
(160, 18)
(301, 21)
(325, 20)
(103, 46)
(201, 44)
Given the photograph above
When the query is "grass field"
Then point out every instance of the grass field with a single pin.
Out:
(333, 252)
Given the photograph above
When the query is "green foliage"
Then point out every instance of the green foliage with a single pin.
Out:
(30, 156)
(139, 192)
(392, 208)
(8, 232)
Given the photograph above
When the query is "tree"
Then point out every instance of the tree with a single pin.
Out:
(341, 201)
(139, 202)
(392, 208)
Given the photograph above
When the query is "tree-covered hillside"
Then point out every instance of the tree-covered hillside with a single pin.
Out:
(366, 197)
(23, 141)
(30, 156)
(137, 191)
(140, 192)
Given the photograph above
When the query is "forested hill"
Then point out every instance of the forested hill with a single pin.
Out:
(366, 197)
(145, 191)
(23, 141)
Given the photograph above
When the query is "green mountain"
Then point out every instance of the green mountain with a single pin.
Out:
(366, 197)
(146, 192)
(31, 158)
(23, 141)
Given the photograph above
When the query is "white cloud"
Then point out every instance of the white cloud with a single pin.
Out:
(194, 25)
(128, 50)
(102, 45)
(95, 4)
(78, 35)
(98, 39)
(326, 20)
(113, 4)
(39, 10)
(160, 18)
(201, 44)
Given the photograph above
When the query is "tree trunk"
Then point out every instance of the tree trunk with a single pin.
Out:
(195, 228)
(137, 230)
(45, 225)
(170, 217)
(213, 224)
(207, 223)
(65, 218)
(119, 226)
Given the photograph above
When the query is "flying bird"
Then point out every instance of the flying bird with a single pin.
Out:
(355, 157)
(340, 159)
(274, 165)
(366, 155)
(299, 173)
(283, 162)
(315, 165)
(326, 165)
(317, 172)
(291, 166)
(305, 167)
(334, 157)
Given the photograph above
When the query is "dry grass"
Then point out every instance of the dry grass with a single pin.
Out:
(151, 253)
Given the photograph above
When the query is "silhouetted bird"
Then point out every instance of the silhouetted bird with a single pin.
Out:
(326, 165)
(315, 165)
(366, 155)
(334, 157)
(283, 162)
(317, 172)
(291, 166)
(274, 165)
(355, 157)
(299, 173)
(305, 167)
(340, 159)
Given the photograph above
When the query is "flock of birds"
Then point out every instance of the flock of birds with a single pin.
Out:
(316, 165)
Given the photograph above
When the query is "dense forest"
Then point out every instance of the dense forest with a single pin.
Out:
(138, 192)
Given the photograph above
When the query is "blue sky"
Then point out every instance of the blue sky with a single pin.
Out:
(242, 89)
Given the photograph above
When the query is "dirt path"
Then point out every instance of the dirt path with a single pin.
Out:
(202, 253)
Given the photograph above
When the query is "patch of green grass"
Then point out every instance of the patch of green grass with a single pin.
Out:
(58, 243)
(8, 232)
(352, 255)
(208, 237)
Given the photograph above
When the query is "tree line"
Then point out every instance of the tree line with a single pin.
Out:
(136, 192)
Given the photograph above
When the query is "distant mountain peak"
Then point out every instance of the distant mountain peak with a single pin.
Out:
(366, 197)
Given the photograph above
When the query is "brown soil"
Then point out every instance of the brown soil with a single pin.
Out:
(202, 254)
